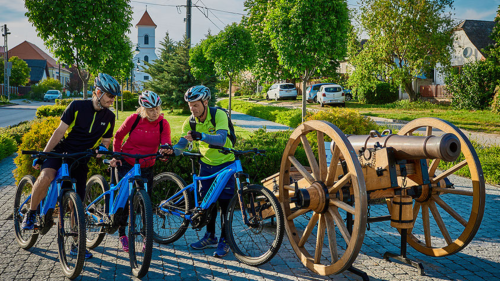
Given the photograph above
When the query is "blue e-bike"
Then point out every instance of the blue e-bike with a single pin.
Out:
(254, 223)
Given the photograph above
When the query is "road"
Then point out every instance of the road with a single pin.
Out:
(14, 114)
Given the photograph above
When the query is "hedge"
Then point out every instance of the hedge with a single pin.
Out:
(7, 145)
(50, 110)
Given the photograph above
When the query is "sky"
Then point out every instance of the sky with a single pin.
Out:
(169, 17)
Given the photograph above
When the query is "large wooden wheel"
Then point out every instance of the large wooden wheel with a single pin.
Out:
(431, 237)
(327, 206)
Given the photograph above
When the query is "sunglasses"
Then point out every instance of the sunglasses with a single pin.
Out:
(110, 96)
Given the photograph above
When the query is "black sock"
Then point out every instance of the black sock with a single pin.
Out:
(31, 212)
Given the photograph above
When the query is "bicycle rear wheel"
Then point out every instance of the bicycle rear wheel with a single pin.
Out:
(96, 186)
(25, 238)
(258, 241)
(140, 233)
(167, 227)
(71, 235)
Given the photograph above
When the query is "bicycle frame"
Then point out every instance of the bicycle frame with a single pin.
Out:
(213, 193)
(54, 192)
(121, 197)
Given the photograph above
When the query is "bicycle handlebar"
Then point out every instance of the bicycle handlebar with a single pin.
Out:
(225, 150)
(42, 154)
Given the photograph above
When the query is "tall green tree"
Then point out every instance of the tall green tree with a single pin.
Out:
(171, 74)
(493, 51)
(20, 73)
(232, 51)
(88, 33)
(407, 39)
(308, 36)
(201, 67)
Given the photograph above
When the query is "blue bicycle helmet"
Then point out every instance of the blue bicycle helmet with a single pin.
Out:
(107, 84)
(149, 99)
(197, 93)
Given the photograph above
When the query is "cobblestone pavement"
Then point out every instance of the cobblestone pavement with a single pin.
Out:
(480, 260)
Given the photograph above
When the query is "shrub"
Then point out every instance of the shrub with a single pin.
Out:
(17, 131)
(347, 120)
(382, 93)
(130, 104)
(64, 102)
(35, 139)
(50, 110)
(7, 145)
(127, 95)
(495, 106)
(38, 91)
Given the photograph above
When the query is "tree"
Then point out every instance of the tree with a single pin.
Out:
(20, 73)
(308, 36)
(171, 74)
(493, 51)
(202, 68)
(88, 33)
(407, 39)
(75, 83)
(231, 51)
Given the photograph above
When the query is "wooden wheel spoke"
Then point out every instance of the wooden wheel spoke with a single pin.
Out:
(450, 171)
(428, 131)
(338, 185)
(449, 210)
(310, 157)
(332, 237)
(320, 238)
(340, 223)
(416, 209)
(427, 225)
(297, 214)
(440, 222)
(453, 191)
(308, 230)
(302, 170)
(323, 167)
(332, 169)
(433, 167)
(342, 205)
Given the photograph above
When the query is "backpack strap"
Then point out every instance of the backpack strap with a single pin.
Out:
(213, 111)
(192, 123)
(135, 124)
(161, 129)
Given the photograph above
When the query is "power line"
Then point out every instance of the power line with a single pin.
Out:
(212, 13)
(167, 5)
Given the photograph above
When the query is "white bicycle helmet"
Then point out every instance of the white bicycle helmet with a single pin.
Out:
(149, 99)
(197, 93)
(107, 84)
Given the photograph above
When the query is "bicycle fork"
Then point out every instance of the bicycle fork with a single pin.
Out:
(242, 180)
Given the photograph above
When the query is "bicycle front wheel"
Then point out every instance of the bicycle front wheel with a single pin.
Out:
(96, 186)
(71, 235)
(257, 241)
(140, 235)
(25, 238)
(168, 227)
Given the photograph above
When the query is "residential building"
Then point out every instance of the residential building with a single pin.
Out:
(147, 50)
(41, 64)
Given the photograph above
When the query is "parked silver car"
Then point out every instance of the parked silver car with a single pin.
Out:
(282, 90)
(331, 94)
(52, 95)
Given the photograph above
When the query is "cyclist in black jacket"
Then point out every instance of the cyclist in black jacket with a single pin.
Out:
(86, 123)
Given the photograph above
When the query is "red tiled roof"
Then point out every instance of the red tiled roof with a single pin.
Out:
(30, 51)
(146, 20)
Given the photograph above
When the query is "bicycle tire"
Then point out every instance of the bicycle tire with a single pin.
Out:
(168, 228)
(141, 214)
(72, 267)
(25, 238)
(244, 245)
(96, 186)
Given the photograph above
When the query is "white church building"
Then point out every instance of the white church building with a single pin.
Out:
(146, 45)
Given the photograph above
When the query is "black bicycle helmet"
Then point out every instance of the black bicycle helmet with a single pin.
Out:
(149, 99)
(107, 84)
(197, 93)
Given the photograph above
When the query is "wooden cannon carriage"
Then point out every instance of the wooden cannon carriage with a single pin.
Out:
(402, 169)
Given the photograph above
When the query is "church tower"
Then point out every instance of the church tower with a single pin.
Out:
(146, 44)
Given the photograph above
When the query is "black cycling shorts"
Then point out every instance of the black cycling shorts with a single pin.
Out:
(78, 172)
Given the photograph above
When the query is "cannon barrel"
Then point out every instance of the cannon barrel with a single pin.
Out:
(445, 147)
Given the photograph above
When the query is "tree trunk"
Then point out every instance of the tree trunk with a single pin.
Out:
(409, 91)
(85, 76)
(230, 86)
(304, 99)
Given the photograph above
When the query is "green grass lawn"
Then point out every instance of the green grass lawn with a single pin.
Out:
(175, 120)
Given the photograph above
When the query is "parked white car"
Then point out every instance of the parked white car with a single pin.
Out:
(281, 91)
(52, 95)
(331, 94)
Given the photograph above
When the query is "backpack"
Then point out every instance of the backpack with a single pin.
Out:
(137, 122)
(213, 110)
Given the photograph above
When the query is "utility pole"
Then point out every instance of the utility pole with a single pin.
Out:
(6, 71)
(188, 22)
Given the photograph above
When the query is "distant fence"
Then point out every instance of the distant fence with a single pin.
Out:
(434, 91)
(18, 91)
